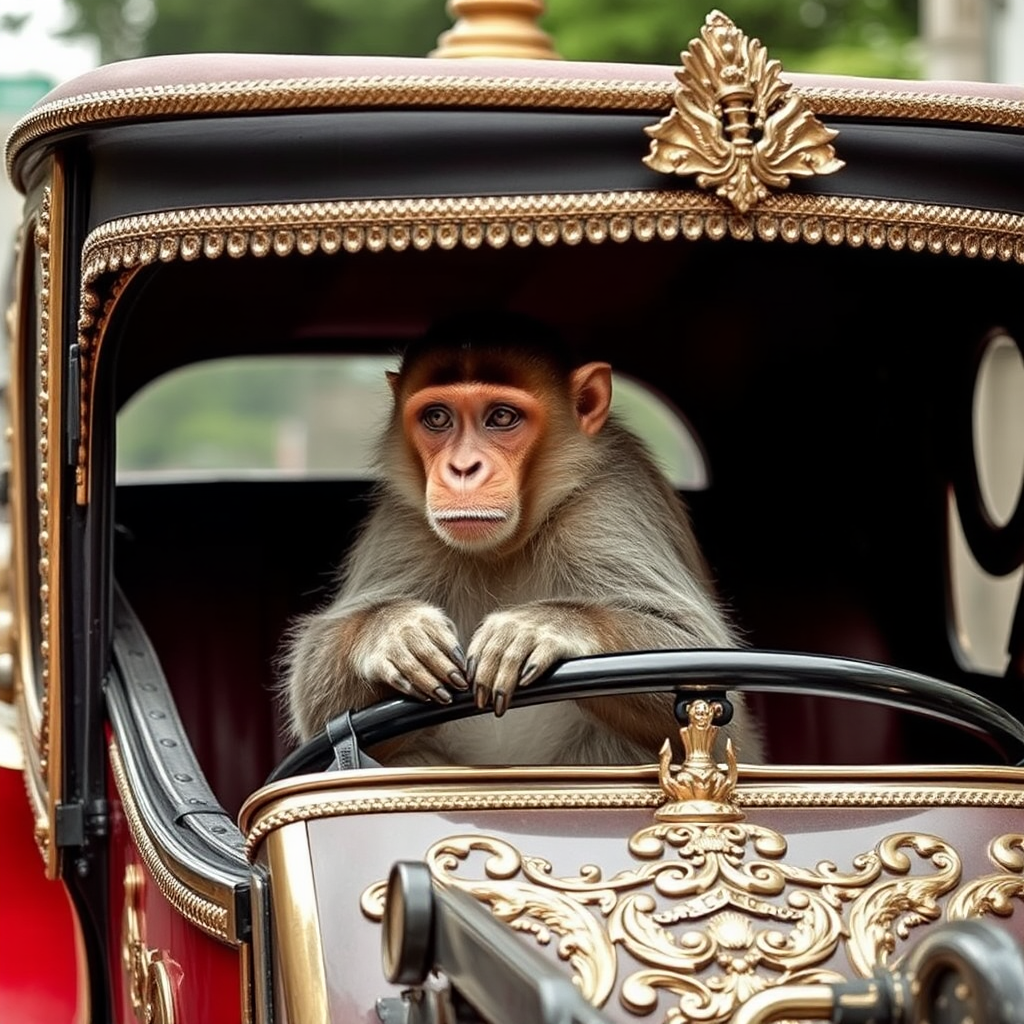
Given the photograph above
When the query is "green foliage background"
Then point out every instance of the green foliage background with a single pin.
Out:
(868, 37)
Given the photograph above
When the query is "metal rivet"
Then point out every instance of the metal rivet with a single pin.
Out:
(182, 777)
(168, 743)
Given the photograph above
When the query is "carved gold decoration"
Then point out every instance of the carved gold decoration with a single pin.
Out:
(561, 92)
(710, 912)
(993, 894)
(699, 790)
(736, 125)
(720, 919)
(496, 28)
(47, 349)
(153, 977)
(210, 915)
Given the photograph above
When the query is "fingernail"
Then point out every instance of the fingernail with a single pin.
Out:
(459, 655)
(500, 703)
(526, 676)
(442, 695)
(471, 669)
(481, 695)
(458, 680)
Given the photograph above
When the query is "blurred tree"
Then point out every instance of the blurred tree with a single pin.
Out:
(868, 37)
(871, 37)
(130, 28)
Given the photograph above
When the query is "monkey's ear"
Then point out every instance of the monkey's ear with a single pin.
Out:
(590, 388)
(392, 376)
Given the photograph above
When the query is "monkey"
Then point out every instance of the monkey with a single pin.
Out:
(516, 523)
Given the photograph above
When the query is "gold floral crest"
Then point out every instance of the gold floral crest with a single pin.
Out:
(736, 125)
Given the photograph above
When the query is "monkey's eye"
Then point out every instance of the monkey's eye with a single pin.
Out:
(436, 417)
(503, 417)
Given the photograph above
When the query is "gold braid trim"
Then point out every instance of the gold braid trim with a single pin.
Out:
(205, 99)
(201, 911)
(464, 801)
(634, 797)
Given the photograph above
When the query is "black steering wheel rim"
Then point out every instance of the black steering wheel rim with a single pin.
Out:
(694, 671)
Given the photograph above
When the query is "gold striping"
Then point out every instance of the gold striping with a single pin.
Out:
(204, 913)
(206, 99)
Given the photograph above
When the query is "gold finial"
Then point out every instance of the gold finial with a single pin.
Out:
(736, 125)
(496, 28)
(699, 790)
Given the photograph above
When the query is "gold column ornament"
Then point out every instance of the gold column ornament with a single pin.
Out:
(496, 28)
(736, 125)
(699, 790)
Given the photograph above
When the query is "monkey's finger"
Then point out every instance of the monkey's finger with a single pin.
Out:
(485, 662)
(539, 660)
(434, 661)
(439, 652)
(408, 676)
(511, 669)
(398, 682)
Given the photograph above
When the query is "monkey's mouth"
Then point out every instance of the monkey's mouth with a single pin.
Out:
(471, 527)
(460, 515)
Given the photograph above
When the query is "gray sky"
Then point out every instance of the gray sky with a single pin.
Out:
(33, 50)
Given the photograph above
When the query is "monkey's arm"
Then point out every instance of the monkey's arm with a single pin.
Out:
(378, 636)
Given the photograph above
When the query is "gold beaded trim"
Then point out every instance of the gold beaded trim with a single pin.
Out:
(42, 239)
(123, 246)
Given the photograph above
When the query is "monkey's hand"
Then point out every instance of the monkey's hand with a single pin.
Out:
(513, 647)
(412, 647)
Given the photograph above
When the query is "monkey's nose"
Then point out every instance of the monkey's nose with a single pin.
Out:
(465, 472)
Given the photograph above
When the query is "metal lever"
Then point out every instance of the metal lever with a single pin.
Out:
(964, 970)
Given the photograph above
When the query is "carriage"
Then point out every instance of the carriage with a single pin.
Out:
(808, 288)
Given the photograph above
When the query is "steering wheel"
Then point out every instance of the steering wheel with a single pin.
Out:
(694, 672)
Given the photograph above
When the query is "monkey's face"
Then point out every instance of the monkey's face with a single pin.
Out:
(476, 443)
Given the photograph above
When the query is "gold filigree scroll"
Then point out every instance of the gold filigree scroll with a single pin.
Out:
(709, 911)
(993, 894)
(736, 125)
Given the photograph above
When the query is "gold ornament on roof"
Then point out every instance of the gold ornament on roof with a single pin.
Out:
(736, 125)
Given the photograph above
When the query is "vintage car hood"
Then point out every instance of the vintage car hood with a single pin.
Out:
(655, 905)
